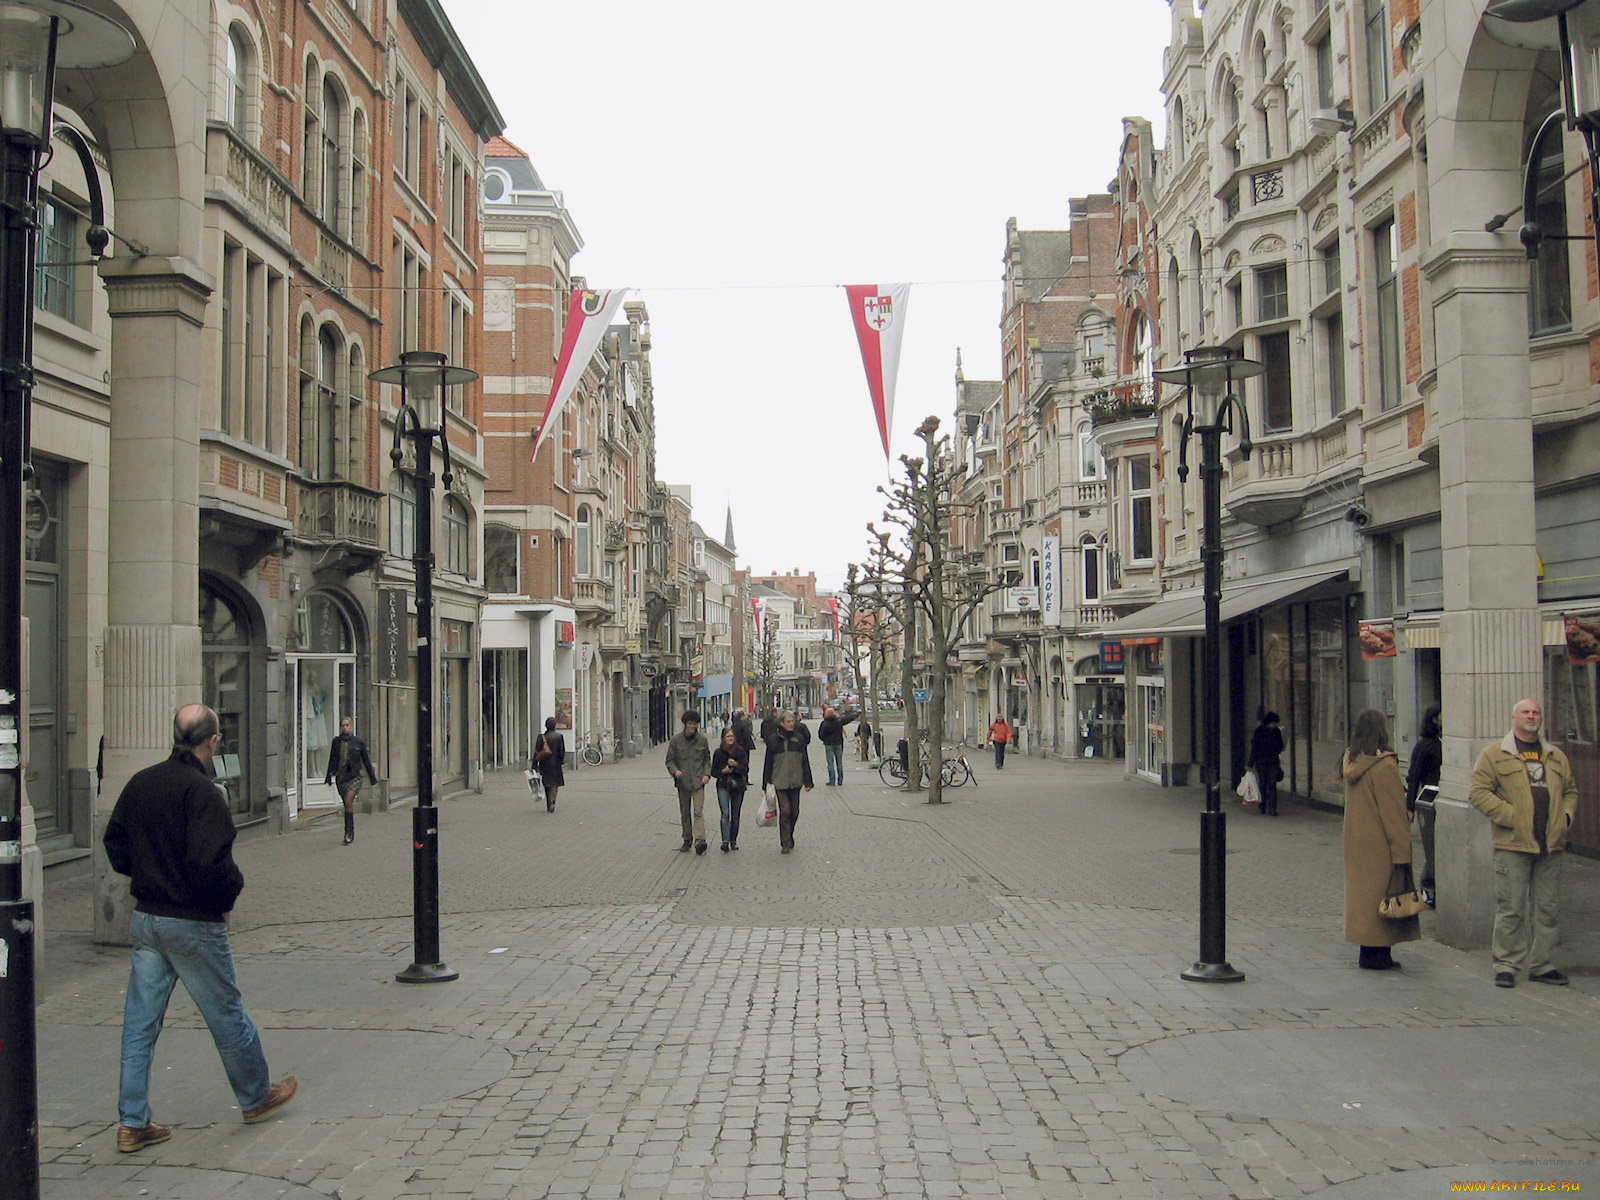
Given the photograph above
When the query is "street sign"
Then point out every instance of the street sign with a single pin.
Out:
(920, 695)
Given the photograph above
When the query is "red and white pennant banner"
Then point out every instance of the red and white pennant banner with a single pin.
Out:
(879, 313)
(588, 315)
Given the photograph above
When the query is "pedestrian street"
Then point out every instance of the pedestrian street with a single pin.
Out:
(977, 999)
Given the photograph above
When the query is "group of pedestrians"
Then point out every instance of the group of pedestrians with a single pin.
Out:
(785, 771)
(1523, 784)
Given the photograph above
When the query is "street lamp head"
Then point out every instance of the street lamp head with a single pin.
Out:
(422, 374)
(1571, 27)
(36, 37)
(1210, 373)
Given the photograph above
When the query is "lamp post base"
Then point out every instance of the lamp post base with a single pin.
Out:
(427, 973)
(1204, 972)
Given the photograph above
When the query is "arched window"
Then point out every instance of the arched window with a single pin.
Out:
(402, 515)
(355, 420)
(225, 686)
(1090, 464)
(359, 183)
(583, 542)
(235, 80)
(310, 152)
(500, 560)
(1175, 343)
(1177, 131)
(457, 537)
(1197, 284)
(327, 415)
(330, 195)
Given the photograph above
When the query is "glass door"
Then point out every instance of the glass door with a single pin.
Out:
(325, 691)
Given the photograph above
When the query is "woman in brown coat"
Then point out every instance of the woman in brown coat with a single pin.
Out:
(1377, 838)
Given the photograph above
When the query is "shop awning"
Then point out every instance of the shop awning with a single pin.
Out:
(1183, 614)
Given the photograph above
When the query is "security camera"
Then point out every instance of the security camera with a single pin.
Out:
(1358, 515)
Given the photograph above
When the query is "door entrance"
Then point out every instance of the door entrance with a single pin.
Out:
(324, 688)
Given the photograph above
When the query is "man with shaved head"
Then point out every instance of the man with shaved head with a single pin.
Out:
(1524, 785)
(171, 832)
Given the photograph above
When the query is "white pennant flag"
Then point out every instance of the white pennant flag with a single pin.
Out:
(588, 316)
(879, 313)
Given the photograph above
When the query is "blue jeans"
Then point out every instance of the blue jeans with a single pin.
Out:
(835, 757)
(165, 950)
(731, 805)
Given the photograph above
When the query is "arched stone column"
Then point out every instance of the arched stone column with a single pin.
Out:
(1476, 94)
(148, 115)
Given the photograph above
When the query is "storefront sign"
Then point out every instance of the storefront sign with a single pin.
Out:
(1111, 658)
(1022, 599)
(805, 635)
(1049, 581)
(1583, 639)
(394, 651)
(1377, 639)
(566, 633)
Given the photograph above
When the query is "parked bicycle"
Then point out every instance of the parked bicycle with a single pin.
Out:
(954, 771)
(590, 750)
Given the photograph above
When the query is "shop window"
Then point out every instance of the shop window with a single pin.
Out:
(225, 687)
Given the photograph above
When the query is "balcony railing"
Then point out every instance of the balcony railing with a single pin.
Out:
(1267, 185)
(593, 593)
(338, 512)
(1131, 401)
(1091, 493)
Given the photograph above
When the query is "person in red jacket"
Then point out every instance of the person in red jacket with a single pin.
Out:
(1000, 736)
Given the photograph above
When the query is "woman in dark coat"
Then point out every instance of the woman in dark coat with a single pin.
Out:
(730, 767)
(1266, 747)
(1422, 788)
(1377, 839)
(548, 757)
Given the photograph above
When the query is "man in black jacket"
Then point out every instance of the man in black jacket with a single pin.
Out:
(831, 734)
(172, 833)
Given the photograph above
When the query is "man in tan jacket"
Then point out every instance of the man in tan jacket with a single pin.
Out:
(1525, 786)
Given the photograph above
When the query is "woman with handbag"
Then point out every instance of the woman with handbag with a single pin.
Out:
(1377, 844)
(730, 767)
(1266, 748)
(549, 754)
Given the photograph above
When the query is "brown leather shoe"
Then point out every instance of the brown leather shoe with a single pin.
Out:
(129, 1140)
(282, 1092)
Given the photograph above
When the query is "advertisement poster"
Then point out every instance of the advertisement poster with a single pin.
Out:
(1583, 638)
(1377, 639)
(563, 708)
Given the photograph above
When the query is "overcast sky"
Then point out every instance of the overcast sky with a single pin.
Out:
(737, 164)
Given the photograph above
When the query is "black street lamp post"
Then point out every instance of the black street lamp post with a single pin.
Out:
(36, 37)
(1209, 373)
(422, 376)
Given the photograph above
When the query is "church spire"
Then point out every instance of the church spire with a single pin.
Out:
(727, 538)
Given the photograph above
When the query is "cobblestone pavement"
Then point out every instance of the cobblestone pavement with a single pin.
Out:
(977, 999)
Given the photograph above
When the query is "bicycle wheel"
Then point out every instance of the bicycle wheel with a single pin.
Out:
(591, 755)
(957, 772)
(889, 771)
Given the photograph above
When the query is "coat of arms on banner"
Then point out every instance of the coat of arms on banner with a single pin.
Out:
(879, 311)
(592, 302)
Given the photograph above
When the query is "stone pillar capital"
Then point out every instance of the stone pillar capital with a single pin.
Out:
(152, 286)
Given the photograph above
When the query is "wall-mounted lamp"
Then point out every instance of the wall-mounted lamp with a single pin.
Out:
(1333, 120)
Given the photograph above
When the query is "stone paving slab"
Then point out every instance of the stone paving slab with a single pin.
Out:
(977, 999)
